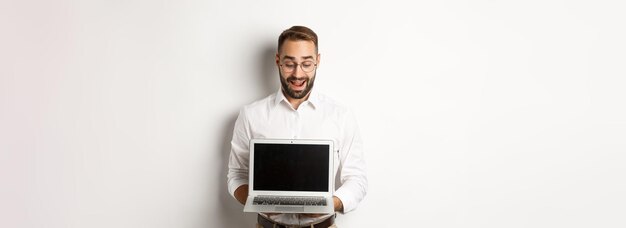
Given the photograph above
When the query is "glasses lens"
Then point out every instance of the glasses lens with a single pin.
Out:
(288, 66)
(308, 66)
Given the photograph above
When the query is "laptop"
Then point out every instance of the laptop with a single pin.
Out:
(290, 176)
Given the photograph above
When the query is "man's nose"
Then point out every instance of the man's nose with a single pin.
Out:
(298, 72)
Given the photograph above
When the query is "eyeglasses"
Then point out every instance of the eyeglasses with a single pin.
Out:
(306, 66)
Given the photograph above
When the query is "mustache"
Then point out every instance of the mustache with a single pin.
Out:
(293, 78)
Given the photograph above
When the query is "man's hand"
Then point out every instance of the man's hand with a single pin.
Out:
(338, 208)
(338, 204)
(241, 194)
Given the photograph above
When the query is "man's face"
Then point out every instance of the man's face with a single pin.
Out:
(297, 63)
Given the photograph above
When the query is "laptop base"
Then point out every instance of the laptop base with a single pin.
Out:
(293, 209)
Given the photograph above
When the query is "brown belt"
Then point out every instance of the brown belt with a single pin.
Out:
(266, 223)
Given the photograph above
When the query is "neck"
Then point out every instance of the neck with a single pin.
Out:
(295, 103)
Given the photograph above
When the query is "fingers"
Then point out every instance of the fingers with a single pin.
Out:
(306, 215)
(311, 215)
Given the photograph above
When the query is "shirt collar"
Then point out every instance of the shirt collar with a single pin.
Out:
(313, 98)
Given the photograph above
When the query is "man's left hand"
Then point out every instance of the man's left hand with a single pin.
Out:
(338, 208)
(338, 204)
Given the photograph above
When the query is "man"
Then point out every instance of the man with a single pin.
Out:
(297, 112)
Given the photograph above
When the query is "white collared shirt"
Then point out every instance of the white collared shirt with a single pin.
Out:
(319, 117)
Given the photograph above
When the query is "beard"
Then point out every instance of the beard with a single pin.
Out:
(284, 82)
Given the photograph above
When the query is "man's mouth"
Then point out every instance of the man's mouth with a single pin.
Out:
(298, 84)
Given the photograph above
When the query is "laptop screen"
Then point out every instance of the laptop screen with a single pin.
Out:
(290, 167)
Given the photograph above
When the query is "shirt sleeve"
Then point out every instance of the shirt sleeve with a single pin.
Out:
(238, 163)
(352, 168)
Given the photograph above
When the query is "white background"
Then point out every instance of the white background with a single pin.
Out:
(474, 113)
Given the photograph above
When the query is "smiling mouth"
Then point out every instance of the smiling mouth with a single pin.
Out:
(298, 83)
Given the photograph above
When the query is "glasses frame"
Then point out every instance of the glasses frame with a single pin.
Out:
(282, 67)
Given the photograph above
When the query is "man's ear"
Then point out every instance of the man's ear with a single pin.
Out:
(319, 56)
(277, 57)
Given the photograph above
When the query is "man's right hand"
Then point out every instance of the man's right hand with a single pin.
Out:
(241, 194)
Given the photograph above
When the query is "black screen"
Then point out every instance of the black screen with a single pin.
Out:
(290, 167)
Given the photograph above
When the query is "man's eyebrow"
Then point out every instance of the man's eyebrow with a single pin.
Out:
(294, 58)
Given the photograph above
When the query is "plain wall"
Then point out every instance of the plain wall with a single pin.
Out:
(474, 113)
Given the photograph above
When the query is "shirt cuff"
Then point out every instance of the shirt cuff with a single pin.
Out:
(234, 184)
(350, 200)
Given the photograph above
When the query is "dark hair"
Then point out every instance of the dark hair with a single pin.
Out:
(297, 33)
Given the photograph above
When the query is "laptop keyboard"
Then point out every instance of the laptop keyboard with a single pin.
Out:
(289, 200)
